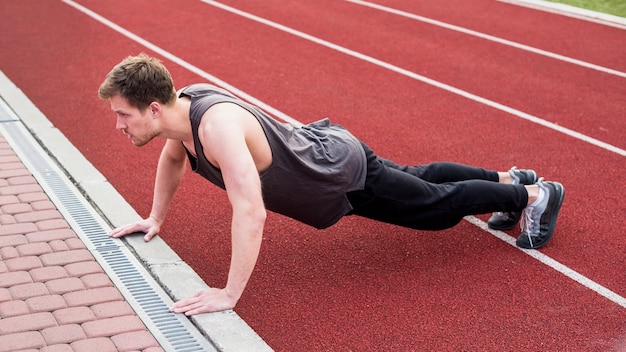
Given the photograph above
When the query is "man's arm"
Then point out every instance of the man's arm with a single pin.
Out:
(223, 134)
(170, 170)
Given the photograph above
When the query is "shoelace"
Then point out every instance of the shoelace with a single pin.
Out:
(527, 224)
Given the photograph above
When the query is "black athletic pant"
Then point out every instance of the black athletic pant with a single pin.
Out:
(433, 196)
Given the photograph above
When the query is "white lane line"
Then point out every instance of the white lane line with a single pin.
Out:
(586, 282)
(574, 275)
(491, 38)
(421, 78)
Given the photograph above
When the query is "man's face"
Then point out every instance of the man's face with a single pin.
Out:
(137, 125)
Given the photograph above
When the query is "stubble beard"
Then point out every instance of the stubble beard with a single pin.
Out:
(145, 139)
(150, 134)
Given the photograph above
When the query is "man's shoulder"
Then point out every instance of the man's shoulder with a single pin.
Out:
(201, 89)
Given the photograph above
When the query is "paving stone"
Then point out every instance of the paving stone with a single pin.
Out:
(15, 190)
(37, 248)
(5, 295)
(18, 208)
(14, 278)
(34, 216)
(153, 349)
(48, 303)
(48, 273)
(27, 291)
(9, 159)
(12, 240)
(22, 180)
(112, 326)
(27, 322)
(3, 267)
(74, 315)
(13, 308)
(21, 341)
(43, 205)
(134, 341)
(14, 172)
(96, 280)
(23, 263)
(63, 334)
(66, 257)
(59, 246)
(17, 229)
(112, 309)
(75, 243)
(32, 197)
(80, 269)
(8, 253)
(4, 200)
(12, 166)
(92, 296)
(57, 348)
(49, 235)
(101, 344)
(52, 224)
(6, 219)
(65, 285)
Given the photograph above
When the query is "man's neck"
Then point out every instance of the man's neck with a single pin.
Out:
(175, 123)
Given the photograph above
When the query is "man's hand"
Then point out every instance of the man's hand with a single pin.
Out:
(210, 300)
(149, 226)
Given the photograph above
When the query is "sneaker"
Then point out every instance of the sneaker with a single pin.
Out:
(507, 220)
(540, 220)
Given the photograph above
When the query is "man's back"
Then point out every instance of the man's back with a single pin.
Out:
(312, 169)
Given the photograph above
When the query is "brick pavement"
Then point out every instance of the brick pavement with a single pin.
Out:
(54, 296)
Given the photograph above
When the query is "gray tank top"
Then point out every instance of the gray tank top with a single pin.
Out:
(313, 166)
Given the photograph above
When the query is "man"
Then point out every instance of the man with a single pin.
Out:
(315, 173)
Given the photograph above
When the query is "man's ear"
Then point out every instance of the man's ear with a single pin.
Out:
(155, 108)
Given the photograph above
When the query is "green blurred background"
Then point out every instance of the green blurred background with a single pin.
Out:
(613, 7)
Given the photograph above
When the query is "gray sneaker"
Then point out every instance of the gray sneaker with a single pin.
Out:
(540, 220)
(507, 220)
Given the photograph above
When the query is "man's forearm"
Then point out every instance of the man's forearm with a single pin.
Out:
(168, 177)
(247, 236)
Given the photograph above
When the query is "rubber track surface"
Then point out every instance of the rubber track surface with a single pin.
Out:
(362, 285)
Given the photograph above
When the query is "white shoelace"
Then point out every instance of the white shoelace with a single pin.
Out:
(527, 224)
(532, 216)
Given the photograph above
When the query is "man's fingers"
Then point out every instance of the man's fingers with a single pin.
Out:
(198, 303)
(211, 300)
(119, 232)
(149, 235)
(184, 305)
(147, 227)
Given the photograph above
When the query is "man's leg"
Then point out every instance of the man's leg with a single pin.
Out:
(442, 172)
(398, 195)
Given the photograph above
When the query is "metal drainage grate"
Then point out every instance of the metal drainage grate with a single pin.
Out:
(174, 332)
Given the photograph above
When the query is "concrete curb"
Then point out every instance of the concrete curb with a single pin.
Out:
(226, 330)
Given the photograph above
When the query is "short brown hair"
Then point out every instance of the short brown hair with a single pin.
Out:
(140, 80)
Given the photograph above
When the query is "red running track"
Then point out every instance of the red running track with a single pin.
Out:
(362, 285)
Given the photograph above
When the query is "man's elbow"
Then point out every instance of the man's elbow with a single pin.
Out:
(259, 216)
(253, 216)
